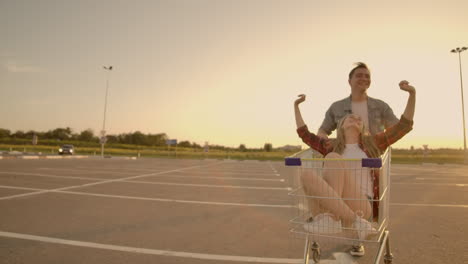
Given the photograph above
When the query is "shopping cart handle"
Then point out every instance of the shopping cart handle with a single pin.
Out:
(292, 162)
(372, 163)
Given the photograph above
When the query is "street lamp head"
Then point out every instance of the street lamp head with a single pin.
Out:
(464, 48)
(453, 51)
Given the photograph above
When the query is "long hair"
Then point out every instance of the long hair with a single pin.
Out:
(367, 140)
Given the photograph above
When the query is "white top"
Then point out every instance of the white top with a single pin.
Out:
(360, 109)
(353, 151)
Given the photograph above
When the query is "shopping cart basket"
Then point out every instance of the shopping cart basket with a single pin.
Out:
(356, 179)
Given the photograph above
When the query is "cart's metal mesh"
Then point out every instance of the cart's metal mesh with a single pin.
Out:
(318, 209)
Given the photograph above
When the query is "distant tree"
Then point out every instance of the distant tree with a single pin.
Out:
(74, 136)
(48, 135)
(157, 139)
(30, 134)
(60, 133)
(112, 139)
(4, 132)
(124, 138)
(19, 134)
(218, 147)
(184, 144)
(86, 135)
(242, 148)
(268, 147)
(139, 138)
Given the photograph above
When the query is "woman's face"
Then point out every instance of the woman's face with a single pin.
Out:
(353, 121)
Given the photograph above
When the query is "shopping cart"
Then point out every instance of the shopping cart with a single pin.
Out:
(324, 238)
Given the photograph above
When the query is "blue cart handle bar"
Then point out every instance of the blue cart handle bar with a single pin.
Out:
(367, 163)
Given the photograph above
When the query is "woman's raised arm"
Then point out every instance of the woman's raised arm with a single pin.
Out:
(410, 105)
(297, 111)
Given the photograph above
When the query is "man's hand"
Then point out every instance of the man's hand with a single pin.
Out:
(322, 134)
(301, 99)
(404, 85)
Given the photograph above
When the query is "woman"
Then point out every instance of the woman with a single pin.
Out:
(348, 206)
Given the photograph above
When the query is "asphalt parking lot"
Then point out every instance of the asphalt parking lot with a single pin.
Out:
(202, 211)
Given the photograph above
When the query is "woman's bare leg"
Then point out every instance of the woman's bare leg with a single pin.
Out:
(315, 185)
(345, 177)
(313, 204)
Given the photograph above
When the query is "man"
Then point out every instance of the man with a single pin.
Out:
(375, 113)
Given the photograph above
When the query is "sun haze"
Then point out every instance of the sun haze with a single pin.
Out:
(226, 72)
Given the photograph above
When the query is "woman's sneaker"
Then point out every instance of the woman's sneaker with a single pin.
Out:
(357, 251)
(323, 224)
(363, 228)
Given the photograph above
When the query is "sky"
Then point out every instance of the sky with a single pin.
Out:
(227, 72)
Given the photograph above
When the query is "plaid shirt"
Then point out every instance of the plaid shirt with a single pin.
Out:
(383, 140)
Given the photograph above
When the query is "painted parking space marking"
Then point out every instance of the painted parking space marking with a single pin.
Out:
(51, 176)
(97, 183)
(210, 202)
(432, 205)
(160, 183)
(20, 188)
(167, 253)
(431, 183)
(150, 198)
(213, 185)
(81, 171)
(228, 173)
(436, 179)
(227, 178)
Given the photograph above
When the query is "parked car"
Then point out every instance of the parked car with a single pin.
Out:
(66, 149)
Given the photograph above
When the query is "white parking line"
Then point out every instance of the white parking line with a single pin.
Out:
(81, 171)
(213, 185)
(436, 179)
(51, 176)
(148, 198)
(228, 173)
(209, 203)
(109, 170)
(166, 253)
(439, 175)
(159, 168)
(177, 201)
(20, 188)
(432, 205)
(166, 183)
(97, 183)
(226, 178)
(431, 183)
(272, 168)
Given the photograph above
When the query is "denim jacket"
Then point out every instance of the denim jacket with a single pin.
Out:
(381, 116)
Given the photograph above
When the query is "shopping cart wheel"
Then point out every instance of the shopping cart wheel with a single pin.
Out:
(388, 258)
(315, 252)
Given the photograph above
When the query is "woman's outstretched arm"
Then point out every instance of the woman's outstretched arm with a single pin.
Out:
(297, 111)
(410, 105)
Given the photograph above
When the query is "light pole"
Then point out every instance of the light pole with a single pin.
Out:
(460, 50)
(103, 131)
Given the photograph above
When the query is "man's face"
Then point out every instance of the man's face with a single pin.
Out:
(360, 80)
